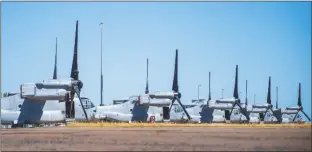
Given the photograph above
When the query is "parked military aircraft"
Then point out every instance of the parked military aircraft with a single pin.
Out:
(235, 111)
(51, 101)
(201, 112)
(291, 114)
(215, 110)
(154, 106)
(265, 111)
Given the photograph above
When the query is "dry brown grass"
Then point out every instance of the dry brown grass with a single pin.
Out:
(153, 125)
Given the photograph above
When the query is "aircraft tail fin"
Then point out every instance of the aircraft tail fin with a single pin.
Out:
(269, 92)
(175, 85)
(55, 62)
(235, 94)
(146, 88)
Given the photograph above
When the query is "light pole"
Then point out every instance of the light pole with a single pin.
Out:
(198, 92)
(101, 26)
(222, 93)
(254, 98)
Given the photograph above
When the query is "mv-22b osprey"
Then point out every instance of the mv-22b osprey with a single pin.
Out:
(146, 107)
(220, 110)
(265, 112)
(291, 114)
(51, 101)
(160, 106)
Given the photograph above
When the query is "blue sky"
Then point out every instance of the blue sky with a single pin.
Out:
(263, 38)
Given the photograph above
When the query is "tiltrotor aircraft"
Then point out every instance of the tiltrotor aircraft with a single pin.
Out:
(217, 111)
(291, 114)
(235, 111)
(158, 105)
(154, 106)
(50, 101)
(265, 112)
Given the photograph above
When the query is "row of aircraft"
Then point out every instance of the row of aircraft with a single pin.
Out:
(59, 101)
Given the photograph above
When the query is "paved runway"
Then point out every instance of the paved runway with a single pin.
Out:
(153, 139)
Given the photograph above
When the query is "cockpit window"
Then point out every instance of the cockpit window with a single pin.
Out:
(134, 101)
(269, 114)
(178, 109)
(87, 104)
(92, 105)
(133, 98)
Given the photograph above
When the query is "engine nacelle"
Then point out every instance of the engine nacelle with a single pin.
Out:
(162, 95)
(147, 101)
(277, 110)
(266, 105)
(30, 91)
(221, 106)
(289, 112)
(258, 110)
(55, 84)
(293, 108)
(228, 100)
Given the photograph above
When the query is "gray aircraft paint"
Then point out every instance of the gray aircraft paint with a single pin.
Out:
(133, 110)
(28, 105)
(291, 114)
(16, 109)
(270, 115)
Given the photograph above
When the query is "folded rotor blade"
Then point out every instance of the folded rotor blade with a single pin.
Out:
(188, 116)
(295, 116)
(244, 111)
(306, 115)
(232, 110)
(171, 105)
(78, 94)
